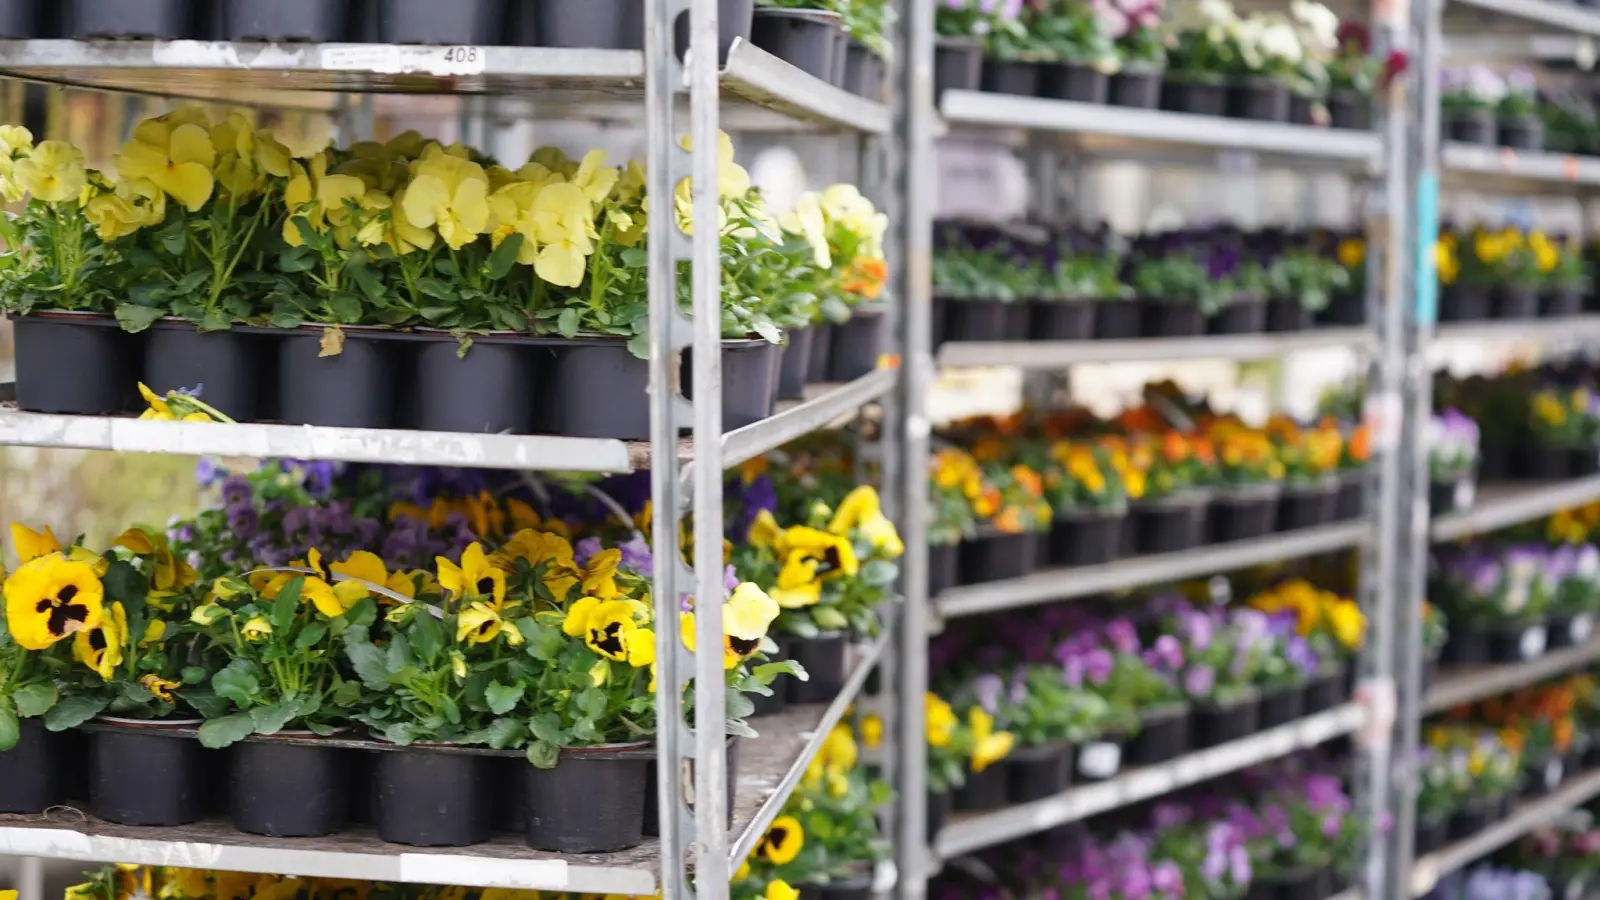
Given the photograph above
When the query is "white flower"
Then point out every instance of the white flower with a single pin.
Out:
(1277, 40)
(1113, 22)
(1483, 85)
(1319, 25)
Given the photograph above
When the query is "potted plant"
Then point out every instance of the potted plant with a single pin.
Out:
(1080, 36)
(1436, 799)
(1223, 657)
(1496, 599)
(1014, 50)
(1317, 28)
(866, 23)
(1518, 113)
(1310, 456)
(1302, 283)
(1469, 101)
(1463, 281)
(959, 30)
(1146, 717)
(1562, 429)
(1176, 289)
(1289, 665)
(1349, 306)
(1267, 54)
(980, 287)
(1250, 480)
(950, 751)
(1014, 518)
(1572, 612)
(1088, 500)
(1199, 58)
(955, 483)
(1353, 77)
(855, 233)
(1142, 52)
(806, 34)
(1566, 275)
(1050, 718)
(1175, 488)
(1452, 462)
(1077, 284)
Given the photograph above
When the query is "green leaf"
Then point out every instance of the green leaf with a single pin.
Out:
(311, 635)
(194, 674)
(880, 573)
(546, 727)
(504, 256)
(123, 584)
(34, 700)
(366, 659)
(503, 698)
(635, 257)
(284, 606)
(271, 719)
(346, 307)
(10, 729)
(435, 288)
(829, 618)
(503, 733)
(296, 260)
(237, 683)
(639, 346)
(226, 731)
(567, 323)
(137, 318)
(74, 710)
(173, 240)
(543, 755)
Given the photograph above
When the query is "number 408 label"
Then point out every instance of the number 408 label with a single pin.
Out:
(395, 60)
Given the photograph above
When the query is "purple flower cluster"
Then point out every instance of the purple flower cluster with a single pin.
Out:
(1453, 442)
(1495, 582)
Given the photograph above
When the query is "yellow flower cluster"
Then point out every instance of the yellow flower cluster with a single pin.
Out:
(845, 231)
(1574, 525)
(1317, 611)
(810, 556)
(52, 172)
(127, 882)
(1446, 260)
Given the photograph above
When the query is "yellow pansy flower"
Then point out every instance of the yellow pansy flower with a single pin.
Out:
(175, 155)
(451, 196)
(54, 172)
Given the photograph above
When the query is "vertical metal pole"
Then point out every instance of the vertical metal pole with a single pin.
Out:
(913, 181)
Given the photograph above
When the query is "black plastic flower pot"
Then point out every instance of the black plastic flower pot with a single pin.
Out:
(1214, 724)
(1517, 644)
(1325, 691)
(1282, 705)
(1525, 133)
(321, 21)
(1463, 303)
(1010, 77)
(938, 318)
(1019, 321)
(794, 365)
(363, 800)
(20, 19)
(491, 389)
(1349, 110)
(1514, 302)
(1299, 884)
(863, 71)
(1085, 537)
(146, 774)
(778, 701)
(1074, 81)
(354, 388)
(288, 789)
(1136, 87)
(1344, 308)
(226, 365)
(1243, 513)
(804, 38)
(1202, 98)
(944, 567)
(1472, 816)
(652, 805)
(1431, 834)
(1100, 760)
(1164, 734)
(33, 774)
(1445, 497)
(159, 19)
(1307, 505)
(432, 798)
(983, 790)
(977, 320)
(509, 798)
(1560, 301)
(1178, 319)
(1351, 500)
(431, 22)
(591, 802)
(1465, 647)
(72, 363)
(1288, 314)
(824, 658)
(1034, 773)
(1542, 775)
(1582, 461)
(998, 557)
(1170, 524)
(1558, 632)
(841, 58)
(602, 24)
(1475, 126)
(938, 810)
(1247, 316)
(584, 369)
(1540, 462)
(1300, 109)
(821, 346)
(735, 18)
(1494, 458)
(856, 346)
(1259, 99)
(852, 887)
(1118, 320)
(1062, 320)
(957, 65)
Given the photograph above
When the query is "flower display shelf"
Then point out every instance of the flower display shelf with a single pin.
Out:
(1499, 505)
(1059, 354)
(1565, 329)
(566, 80)
(1138, 571)
(1569, 17)
(966, 833)
(1521, 165)
(1465, 684)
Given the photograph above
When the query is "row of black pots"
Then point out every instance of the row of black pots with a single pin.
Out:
(381, 379)
(1298, 884)
(826, 661)
(1445, 497)
(1082, 320)
(1510, 643)
(1499, 459)
(1469, 302)
(814, 41)
(1486, 128)
(158, 774)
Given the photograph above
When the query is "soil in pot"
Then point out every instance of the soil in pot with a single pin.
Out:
(354, 389)
(1034, 773)
(1514, 302)
(1062, 320)
(824, 658)
(1170, 524)
(1282, 705)
(1561, 301)
(1325, 691)
(429, 22)
(288, 789)
(1202, 98)
(1349, 110)
(976, 320)
(1260, 99)
(490, 390)
(779, 699)
(821, 347)
(227, 365)
(856, 346)
(428, 797)
(1242, 513)
(1307, 505)
(33, 774)
(1010, 77)
(591, 802)
(1288, 314)
(1463, 303)
(943, 567)
(957, 65)
(1522, 133)
(1164, 733)
(79, 364)
(1118, 319)
(983, 791)
(1472, 127)
(1239, 317)
(1515, 645)
(148, 775)
(805, 38)
(320, 21)
(1445, 497)
(158, 19)
(1074, 81)
(1136, 86)
(1085, 537)
(1171, 319)
(1216, 724)
(997, 557)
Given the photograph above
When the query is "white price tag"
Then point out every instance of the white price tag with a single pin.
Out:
(392, 60)
(1221, 590)
(1532, 642)
(1553, 770)
(361, 57)
(1466, 492)
(1099, 760)
(1580, 628)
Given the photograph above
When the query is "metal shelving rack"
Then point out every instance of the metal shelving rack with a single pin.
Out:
(750, 91)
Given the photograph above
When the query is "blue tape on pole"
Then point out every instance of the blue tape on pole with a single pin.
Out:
(1427, 280)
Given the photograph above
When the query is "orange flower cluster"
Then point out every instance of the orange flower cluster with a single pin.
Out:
(1534, 718)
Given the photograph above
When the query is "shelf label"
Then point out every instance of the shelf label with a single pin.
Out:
(1580, 628)
(389, 59)
(1532, 642)
(1099, 760)
(444, 868)
(1221, 590)
(1553, 770)
(1466, 492)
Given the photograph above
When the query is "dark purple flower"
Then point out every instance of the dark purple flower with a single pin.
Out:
(206, 471)
(1098, 665)
(1122, 636)
(236, 489)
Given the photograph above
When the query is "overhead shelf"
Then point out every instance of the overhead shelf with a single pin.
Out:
(966, 833)
(1124, 126)
(1566, 16)
(1466, 684)
(1059, 354)
(1522, 165)
(1500, 505)
(1573, 328)
(554, 80)
(1141, 571)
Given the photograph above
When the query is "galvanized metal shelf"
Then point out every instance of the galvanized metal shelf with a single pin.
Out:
(1563, 329)
(554, 81)
(1469, 683)
(1122, 126)
(1059, 354)
(1550, 13)
(966, 833)
(1500, 505)
(1524, 165)
(1140, 571)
